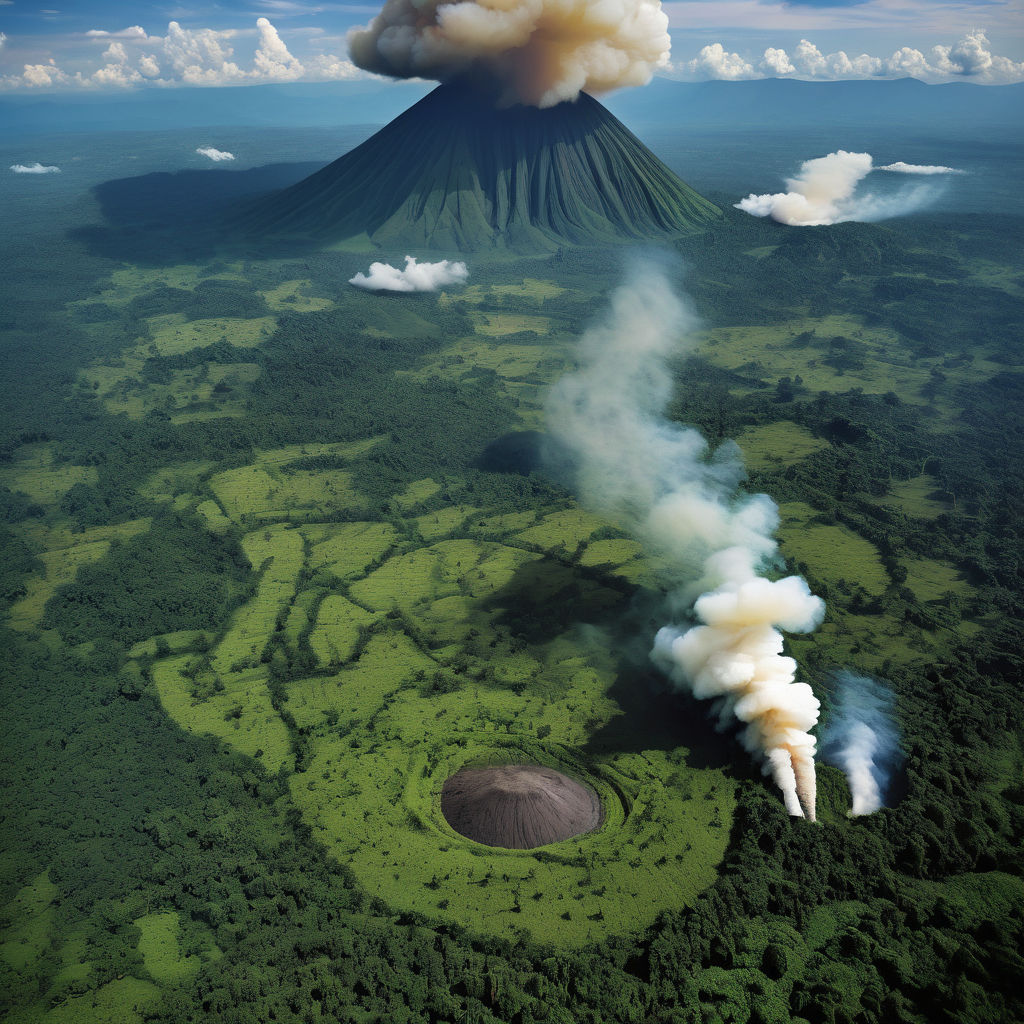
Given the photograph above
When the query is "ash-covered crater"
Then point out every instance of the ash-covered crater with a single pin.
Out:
(518, 806)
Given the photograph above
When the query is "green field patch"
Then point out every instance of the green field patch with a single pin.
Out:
(623, 558)
(496, 325)
(505, 524)
(760, 252)
(316, 450)
(931, 580)
(346, 550)
(339, 624)
(278, 551)
(31, 919)
(564, 530)
(60, 567)
(777, 444)
(416, 493)
(240, 714)
(300, 615)
(255, 493)
(835, 553)
(510, 361)
(435, 525)
(35, 471)
(132, 281)
(448, 568)
(175, 643)
(122, 1001)
(63, 552)
(159, 947)
(213, 516)
(172, 335)
(530, 288)
(389, 662)
(776, 350)
(291, 296)
(915, 497)
(181, 478)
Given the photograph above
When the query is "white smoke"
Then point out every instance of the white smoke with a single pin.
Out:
(862, 739)
(826, 192)
(415, 277)
(900, 167)
(538, 52)
(36, 168)
(659, 480)
(216, 155)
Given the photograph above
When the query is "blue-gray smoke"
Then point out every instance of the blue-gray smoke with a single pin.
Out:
(862, 739)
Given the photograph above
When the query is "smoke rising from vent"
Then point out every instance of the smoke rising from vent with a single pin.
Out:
(825, 192)
(661, 481)
(537, 52)
(862, 739)
(416, 277)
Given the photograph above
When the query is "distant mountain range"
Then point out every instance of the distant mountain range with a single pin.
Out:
(766, 103)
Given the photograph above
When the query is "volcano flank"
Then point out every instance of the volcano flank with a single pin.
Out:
(454, 172)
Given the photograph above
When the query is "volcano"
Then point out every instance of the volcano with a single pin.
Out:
(518, 806)
(456, 173)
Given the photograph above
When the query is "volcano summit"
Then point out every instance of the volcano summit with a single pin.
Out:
(456, 172)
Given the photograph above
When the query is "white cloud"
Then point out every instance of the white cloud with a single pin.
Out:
(416, 277)
(900, 167)
(200, 56)
(329, 68)
(36, 168)
(132, 32)
(714, 61)
(970, 58)
(776, 62)
(40, 76)
(826, 191)
(149, 66)
(272, 59)
(216, 155)
(3, 39)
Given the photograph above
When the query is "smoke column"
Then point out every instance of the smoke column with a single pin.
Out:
(825, 192)
(537, 52)
(862, 739)
(660, 481)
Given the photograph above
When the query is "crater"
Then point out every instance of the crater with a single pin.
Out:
(518, 806)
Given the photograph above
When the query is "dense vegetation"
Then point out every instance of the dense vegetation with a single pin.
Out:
(208, 523)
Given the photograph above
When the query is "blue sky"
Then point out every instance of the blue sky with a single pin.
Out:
(115, 44)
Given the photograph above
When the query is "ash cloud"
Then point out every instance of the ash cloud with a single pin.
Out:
(216, 155)
(662, 482)
(537, 52)
(862, 739)
(415, 277)
(36, 168)
(827, 191)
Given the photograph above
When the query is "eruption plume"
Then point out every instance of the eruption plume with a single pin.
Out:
(536, 52)
(863, 740)
(659, 480)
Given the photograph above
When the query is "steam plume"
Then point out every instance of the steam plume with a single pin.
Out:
(660, 481)
(825, 192)
(537, 52)
(863, 740)
(416, 277)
